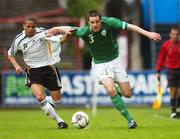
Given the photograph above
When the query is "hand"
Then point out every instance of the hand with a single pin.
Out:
(71, 31)
(154, 36)
(19, 70)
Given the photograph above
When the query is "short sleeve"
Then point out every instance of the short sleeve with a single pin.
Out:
(14, 48)
(115, 22)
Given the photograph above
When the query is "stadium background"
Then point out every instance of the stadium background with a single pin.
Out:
(139, 53)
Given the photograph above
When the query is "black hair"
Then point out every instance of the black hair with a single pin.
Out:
(30, 19)
(93, 13)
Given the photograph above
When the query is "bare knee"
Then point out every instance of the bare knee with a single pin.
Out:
(111, 91)
(128, 93)
(40, 97)
(38, 92)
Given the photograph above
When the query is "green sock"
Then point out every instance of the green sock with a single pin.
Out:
(118, 90)
(119, 104)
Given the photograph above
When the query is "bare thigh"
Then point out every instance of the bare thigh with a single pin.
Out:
(38, 92)
(109, 84)
(173, 92)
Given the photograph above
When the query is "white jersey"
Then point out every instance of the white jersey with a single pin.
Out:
(38, 50)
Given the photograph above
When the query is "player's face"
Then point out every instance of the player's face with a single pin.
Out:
(174, 34)
(95, 23)
(30, 28)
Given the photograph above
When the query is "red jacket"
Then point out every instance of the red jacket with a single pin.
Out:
(169, 55)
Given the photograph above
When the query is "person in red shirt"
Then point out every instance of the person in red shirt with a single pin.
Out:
(169, 57)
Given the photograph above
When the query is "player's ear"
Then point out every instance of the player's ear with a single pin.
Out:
(24, 25)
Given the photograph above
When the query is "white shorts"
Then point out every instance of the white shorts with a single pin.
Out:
(113, 69)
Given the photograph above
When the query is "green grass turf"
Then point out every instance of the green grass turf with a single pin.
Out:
(107, 124)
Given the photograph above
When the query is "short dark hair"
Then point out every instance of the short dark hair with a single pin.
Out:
(175, 27)
(30, 19)
(93, 13)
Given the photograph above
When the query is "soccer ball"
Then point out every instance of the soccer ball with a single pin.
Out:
(80, 119)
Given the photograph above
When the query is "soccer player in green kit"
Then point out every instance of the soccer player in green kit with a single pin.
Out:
(106, 61)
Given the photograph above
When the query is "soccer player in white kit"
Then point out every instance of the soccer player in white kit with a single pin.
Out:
(41, 54)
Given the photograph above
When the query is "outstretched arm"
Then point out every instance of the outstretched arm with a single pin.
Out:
(151, 35)
(64, 38)
(17, 67)
(60, 29)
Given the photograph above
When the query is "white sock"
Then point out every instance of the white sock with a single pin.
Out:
(57, 102)
(49, 110)
(50, 100)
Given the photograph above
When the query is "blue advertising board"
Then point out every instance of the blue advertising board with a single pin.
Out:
(79, 88)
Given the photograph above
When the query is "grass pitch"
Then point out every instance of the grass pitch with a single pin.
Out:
(107, 124)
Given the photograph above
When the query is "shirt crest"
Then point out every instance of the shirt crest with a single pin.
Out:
(103, 32)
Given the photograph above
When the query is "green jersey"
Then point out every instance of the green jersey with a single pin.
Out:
(101, 45)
